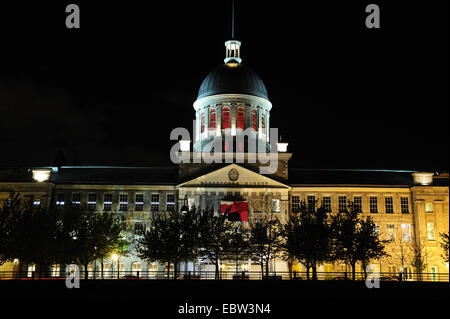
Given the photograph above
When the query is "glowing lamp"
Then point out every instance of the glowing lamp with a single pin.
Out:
(282, 147)
(41, 175)
(423, 178)
(114, 257)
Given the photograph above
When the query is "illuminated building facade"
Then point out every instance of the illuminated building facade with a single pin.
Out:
(406, 205)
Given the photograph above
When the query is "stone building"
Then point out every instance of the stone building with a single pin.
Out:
(407, 206)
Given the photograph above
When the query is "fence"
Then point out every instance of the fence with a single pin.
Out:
(223, 275)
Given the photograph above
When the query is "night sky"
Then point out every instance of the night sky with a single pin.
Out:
(343, 96)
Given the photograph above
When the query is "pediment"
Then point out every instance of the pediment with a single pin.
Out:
(233, 175)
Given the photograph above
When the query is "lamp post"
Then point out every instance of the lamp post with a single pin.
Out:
(185, 207)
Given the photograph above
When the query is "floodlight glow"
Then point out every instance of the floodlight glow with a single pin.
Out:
(41, 175)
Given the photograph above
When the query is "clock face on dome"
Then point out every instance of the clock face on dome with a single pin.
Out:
(233, 174)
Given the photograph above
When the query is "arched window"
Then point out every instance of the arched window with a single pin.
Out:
(225, 118)
(202, 121)
(212, 118)
(240, 118)
(263, 122)
(253, 122)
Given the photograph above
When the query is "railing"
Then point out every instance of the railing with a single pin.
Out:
(223, 275)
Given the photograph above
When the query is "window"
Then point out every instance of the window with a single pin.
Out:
(107, 202)
(357, 202)
(139, 204)
(275, 205)
(225, 118)
(406, 229)
(202, 121)
(212, 118)
(55, 270)
(60, 198)
(295, 203)
(342, 203)
(123, 202)
(390, 230)
(92, 201)
(76, 199)
(430, 231)
(429, 207)
(434, 272)
(263, 122)
(170, 202)
(326, 203)
(389, 205)
(31, 270)
(253, 122)
(154, 205)
(373, 204)
(240, 118)
(312, 202)
(404, 205)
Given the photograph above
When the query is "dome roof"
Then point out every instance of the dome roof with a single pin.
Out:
(232, 78)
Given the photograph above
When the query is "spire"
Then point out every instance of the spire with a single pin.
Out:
(233, 51)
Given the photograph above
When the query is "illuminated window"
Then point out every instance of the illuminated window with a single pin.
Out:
(154, 205)
(390, 230)
(107, 202)
(263, 122)
(373, 201)
(295, 203)
(429, 207)
(312, 203)
(275, 205)
(60, 198)
(253, 120)
(76, 198)
(55, 270)
(404, 205)
(123, 202)
(212, 118)
(92, 201)
(139, 227)
(202, 123)
(139, 204)
(389, 205)
(170, 202)
(326, 203)
(31, 270)
(357, 202)
(342, 201)
(240, 118)
(225, 118)
(406, 229)
(430, 231)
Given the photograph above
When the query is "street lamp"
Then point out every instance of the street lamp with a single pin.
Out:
(185, 207)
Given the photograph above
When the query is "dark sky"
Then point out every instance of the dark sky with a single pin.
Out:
(110, 93)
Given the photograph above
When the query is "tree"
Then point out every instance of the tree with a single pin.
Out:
(419, 253)
(444, 246)
(355, 239)
(307, 237)
(171, 238)
(10, 212)
(238, 247)
(265, 239)
(214, 231)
